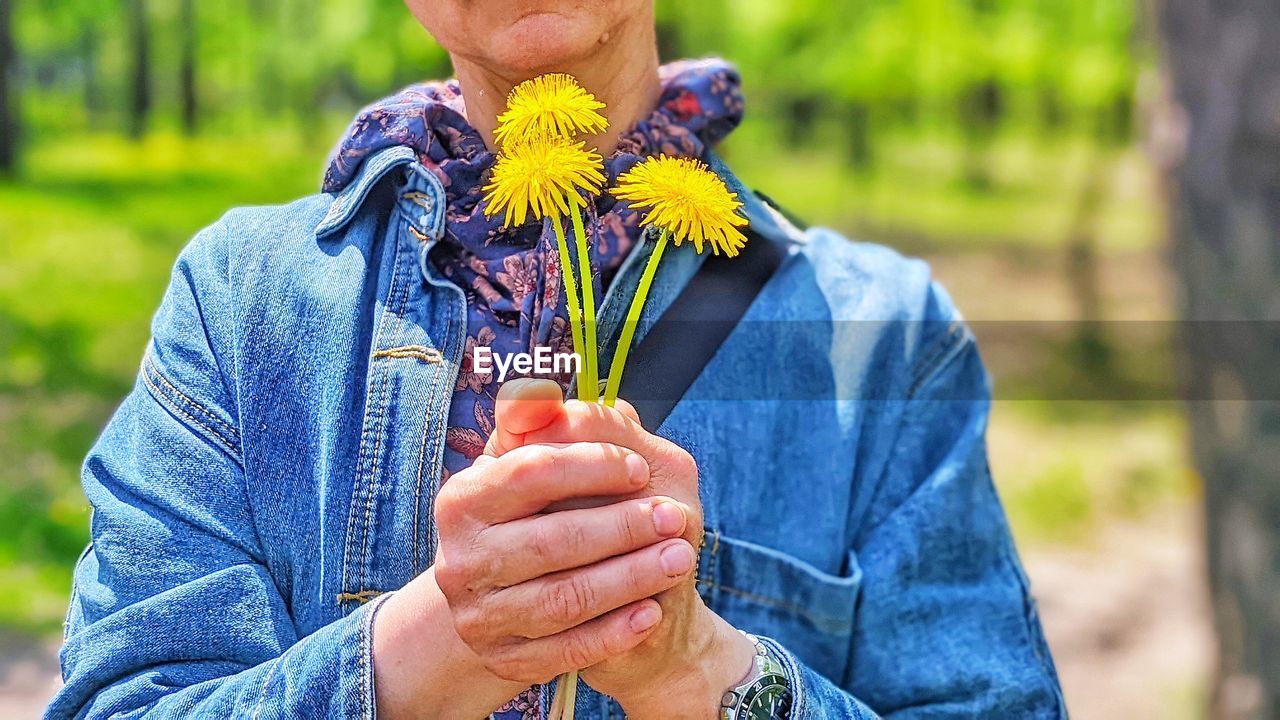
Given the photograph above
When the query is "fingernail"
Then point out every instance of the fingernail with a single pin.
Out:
(676, 560)
(645, 617)
(668, 519)
(637, 469)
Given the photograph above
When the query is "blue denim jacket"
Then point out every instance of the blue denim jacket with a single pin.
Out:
(272, 474)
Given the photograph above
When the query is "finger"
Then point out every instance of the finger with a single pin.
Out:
(593, 422)
(527, 479)
(590, 643)
(554, 603)
(523, 405)
(672, 470)
(574, 538)
(626, 409)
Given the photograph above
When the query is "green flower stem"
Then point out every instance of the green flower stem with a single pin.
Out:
(590, 391)
(633, 318)
(571, 296)
(566, 698)
(570, 695)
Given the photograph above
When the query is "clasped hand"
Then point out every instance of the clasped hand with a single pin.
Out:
(569, 545)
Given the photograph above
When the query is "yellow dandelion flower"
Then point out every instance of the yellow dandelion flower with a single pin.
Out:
(542, 177)
(688, 201)
(553, 104)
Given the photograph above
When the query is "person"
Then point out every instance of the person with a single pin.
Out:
(314, 504)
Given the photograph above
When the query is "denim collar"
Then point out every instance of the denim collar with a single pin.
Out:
(425, 212)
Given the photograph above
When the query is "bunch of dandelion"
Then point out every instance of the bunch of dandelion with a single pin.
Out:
(685, 201)
(541, 173)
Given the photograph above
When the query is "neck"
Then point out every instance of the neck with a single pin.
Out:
(622, 73)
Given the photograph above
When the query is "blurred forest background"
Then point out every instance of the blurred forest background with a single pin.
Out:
(1004, 140)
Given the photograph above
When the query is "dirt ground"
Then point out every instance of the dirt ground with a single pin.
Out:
(1127, 619)
(28, 675)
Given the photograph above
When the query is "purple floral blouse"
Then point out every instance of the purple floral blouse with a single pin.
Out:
(511, 278)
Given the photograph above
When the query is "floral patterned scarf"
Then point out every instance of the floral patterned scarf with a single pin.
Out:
(511, 278)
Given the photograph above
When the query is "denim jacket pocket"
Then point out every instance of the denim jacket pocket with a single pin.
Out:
(766, 591)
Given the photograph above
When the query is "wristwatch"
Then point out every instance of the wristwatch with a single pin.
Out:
(765, 694)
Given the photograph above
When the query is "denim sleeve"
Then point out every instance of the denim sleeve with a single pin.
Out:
(174, 612)
(945, 626)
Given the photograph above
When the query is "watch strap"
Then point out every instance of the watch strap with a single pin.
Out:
(764, 667)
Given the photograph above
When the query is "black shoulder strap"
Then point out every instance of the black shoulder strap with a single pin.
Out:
(681, 343)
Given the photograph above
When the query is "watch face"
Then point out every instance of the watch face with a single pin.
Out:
(767, 699)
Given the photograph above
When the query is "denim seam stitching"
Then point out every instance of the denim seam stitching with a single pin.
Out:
(372, 489)
(444, 389)
(414, 543)
(364, 646)
(934, 364)
(434, 390)
(360, 668)
(1028, 609)
(207, 431)
(946, 348)
(396, 307)
(262, 691)
(213, 422)
(66, 618)
(346, 203)
(275, 664)
(361, 453)
(231, 433)
(374, 423)
(399, 309)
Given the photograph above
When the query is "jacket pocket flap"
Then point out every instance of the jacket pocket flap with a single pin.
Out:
(768, 592)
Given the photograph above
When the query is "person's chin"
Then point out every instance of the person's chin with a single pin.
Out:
(545, 42)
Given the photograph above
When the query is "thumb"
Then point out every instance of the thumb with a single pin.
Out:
(522, 406)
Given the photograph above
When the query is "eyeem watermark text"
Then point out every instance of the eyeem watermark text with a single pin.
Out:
(542, 361)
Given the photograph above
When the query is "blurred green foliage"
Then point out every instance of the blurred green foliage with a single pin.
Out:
(943, 126)
(971, 66)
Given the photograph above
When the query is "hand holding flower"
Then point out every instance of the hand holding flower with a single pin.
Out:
(681, 669)
(519, 594)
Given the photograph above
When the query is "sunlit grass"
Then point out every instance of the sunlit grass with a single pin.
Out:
(1065, 467)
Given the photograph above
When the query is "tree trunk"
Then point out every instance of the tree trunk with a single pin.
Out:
(89, 57)
(1222, 158)
(858, 120)
(981, 111)
(187, 69)
(140, 70)
(1093, 354)
(802, 118)
(8, 92)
